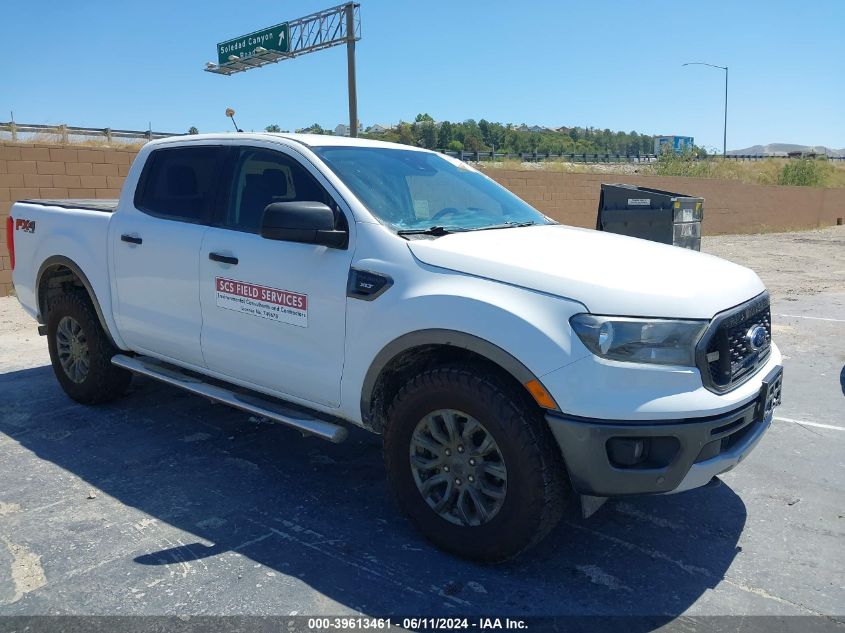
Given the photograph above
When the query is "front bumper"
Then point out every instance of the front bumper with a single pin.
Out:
(606, 459)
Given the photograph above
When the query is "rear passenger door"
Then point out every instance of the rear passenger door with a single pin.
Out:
(274, 313)
(155, 247)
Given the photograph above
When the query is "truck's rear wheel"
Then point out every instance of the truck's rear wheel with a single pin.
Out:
(81, 352)
(472, 464)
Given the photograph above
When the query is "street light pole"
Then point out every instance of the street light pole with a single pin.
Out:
(725, 129)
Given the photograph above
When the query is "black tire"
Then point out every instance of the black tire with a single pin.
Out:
(102, 381)
(537, 487)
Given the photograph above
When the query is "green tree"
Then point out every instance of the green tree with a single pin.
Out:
(470, 135)
(483, 135)
(273, 128)
(406, 134)
(804, 172)
(427, 134)
(495, 135)
(484, 130)
(193, 130)
(444, 135)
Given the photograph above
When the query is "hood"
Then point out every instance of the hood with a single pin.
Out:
(608, 273)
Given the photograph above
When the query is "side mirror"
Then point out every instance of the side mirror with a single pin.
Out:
(307, 222)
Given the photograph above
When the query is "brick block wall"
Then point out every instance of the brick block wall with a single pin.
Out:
(729, 206)
(54, 171)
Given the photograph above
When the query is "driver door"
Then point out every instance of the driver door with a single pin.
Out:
(274, 312)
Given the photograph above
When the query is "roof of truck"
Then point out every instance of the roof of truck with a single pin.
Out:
(311, 140)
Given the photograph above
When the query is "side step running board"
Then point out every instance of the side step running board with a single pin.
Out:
(252, 404)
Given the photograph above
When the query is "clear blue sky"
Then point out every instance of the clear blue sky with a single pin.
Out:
(602, 63)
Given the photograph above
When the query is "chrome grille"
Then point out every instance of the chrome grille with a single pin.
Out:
(725, 357)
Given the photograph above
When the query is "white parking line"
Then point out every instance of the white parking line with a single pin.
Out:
(816, 424)
(798, 316)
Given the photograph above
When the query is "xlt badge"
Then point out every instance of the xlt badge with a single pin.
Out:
(366, 284)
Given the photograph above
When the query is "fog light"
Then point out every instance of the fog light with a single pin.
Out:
(627, 451)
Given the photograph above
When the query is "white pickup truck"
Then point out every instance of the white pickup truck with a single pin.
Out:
(512, 364)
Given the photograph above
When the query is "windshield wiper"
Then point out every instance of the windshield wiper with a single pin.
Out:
(433, 230)
(439, 231)
(505, 225)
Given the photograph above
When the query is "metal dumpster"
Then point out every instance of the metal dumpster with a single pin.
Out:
(651, 214)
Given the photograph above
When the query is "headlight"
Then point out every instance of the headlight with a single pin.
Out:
(659, 341)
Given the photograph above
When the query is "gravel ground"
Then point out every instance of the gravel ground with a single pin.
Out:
(164, 504)
(790, 264)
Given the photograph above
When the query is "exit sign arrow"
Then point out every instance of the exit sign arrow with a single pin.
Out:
(274, 38)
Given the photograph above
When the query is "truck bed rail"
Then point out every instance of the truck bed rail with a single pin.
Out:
(107, 205)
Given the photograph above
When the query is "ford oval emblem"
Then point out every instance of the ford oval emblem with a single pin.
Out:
(756, 337)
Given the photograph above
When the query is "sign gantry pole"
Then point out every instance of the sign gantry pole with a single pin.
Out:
(350, 70)
(308, 34)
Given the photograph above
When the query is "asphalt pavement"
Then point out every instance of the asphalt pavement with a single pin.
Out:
(163, 503)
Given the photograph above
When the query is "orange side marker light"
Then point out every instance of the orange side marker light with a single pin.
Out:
(540, 395)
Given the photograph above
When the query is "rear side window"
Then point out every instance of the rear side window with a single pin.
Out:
(180, 183)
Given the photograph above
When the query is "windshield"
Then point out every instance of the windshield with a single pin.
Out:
(412, 190)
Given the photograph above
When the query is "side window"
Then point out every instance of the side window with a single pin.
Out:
(180, 183)
(261, 177)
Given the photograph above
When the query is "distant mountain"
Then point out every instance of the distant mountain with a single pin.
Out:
(782, 149)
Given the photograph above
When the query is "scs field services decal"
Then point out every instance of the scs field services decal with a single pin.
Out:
(268, 303)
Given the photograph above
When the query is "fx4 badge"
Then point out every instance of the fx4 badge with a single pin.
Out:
(27, 226)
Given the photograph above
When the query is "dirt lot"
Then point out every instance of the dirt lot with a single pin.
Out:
(164, 504)
(804, 263)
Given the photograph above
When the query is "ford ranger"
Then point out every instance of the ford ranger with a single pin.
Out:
(515, 367)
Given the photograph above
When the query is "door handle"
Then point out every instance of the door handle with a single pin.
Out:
(132, 239)
(223, 259)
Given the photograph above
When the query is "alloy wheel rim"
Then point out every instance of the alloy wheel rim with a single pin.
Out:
(458, 467)
(72, 346)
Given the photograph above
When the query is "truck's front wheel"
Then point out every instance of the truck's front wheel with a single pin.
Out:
(81, 352)
(471, 463)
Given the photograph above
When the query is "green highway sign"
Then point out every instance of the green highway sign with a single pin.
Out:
(275, 38)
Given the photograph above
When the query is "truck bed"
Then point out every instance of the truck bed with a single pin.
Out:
(76, 230)
(106, 205)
